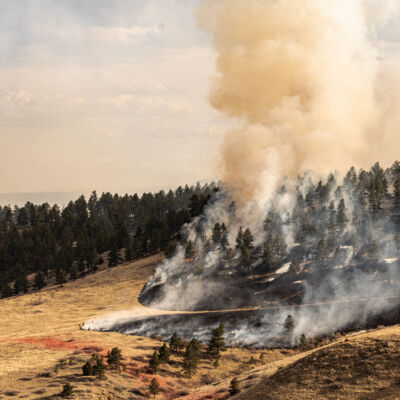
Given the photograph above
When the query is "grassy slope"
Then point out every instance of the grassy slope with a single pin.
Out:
(363, 366)
(40, 330)
(56, 313)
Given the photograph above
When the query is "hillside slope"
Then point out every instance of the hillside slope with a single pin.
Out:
(364, 366)
(40, 329)
(42, 346)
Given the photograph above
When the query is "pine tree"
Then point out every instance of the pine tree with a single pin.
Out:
(114, 257)
(376, 194)
(248, 239)
(396, 194)
(294, 268)
(216, 234)
(191, 358)
(372, 197)
(303, 341)
(92, 259)
(61, 277)
(216, 344)
(99, 368)
(87, 369)
(321, 252)
(268, 256)
(356, 218)
(245, 257)
(289, 325)
(114, 359)
(229, 256)
(73, 273)
(332, 226)
(239, 239)
(309, 200)
(21, 284)
(338, 192)
(176, 342)
(154, 362)
(234, 387)
(395, 170)
(195, 344)
(341, 216)
(22, 217)
(67, 390)
(224, 238)
(128, 254)
(381, 188)
(154, 387)
(39, 281)
(164, 353)
(280, 247)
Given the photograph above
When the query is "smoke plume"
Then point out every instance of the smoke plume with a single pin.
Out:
(305, 80)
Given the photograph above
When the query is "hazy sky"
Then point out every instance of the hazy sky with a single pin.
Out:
(105, 94)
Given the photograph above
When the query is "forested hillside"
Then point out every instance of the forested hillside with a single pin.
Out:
(310, 221)
(70, 242)
(312, 240)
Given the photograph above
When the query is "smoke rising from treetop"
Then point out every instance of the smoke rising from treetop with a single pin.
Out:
(307, 84)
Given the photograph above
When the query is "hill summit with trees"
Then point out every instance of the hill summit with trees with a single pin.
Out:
(63, 244)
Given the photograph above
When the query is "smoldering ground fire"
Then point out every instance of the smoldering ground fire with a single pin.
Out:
(308, 84)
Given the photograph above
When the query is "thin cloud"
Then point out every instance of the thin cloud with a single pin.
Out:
(121, 34)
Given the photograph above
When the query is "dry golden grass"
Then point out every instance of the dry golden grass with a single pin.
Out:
(53, 316)
(363, 366)
(42, 329)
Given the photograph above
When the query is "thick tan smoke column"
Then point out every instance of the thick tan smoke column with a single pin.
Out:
(300, 75)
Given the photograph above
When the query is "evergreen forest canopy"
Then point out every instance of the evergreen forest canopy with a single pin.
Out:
(326, 216)
(68, 243)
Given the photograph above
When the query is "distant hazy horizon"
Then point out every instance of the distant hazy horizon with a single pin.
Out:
(62, 198)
